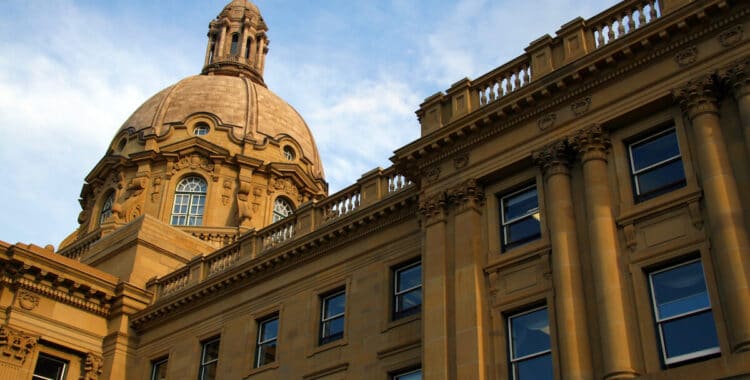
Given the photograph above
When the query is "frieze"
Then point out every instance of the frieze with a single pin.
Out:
(731, 36)
(27, 300)
(15, 345)
(687, 56)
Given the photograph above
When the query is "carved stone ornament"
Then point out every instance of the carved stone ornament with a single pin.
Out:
(432, 174)
(283, 184)
(698, 96)
(465, 193)
(547, 121)
(554, 157)
(156, 189)
(581, 106)
(731, 36)
(433, 205)
(15, 346)
(227, 192)
(735, 78)
(194, 161)
(92, 367)
(461, 161)
(686, 56)
(591, 142)
(27, 300)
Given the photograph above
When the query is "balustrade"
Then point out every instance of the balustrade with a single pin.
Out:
(222, 260)
(503, 80)
(342, 203)
(174, 281)
(621, 19)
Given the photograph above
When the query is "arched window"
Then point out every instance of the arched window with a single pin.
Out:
(107, 207)
(235, 44)
(248, 45)
(201, 129)
(289, 153)
(281, 209)
(189, 201)
(212, 49)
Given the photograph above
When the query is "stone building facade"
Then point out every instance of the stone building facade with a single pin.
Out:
(580, 212)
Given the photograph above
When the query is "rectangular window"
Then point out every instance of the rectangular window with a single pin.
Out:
(656, 165)
(49, 368)
(159, 369)
(683, 314)
(332, 317)
(268, 332)
(209, 359)
(407, 290)
(529, 345)
(520, 217)
(413, 374)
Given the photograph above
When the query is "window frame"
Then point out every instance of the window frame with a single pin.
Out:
(506, 246)
(202, 365)
(63, 373)
(324, 339)
(397, 375)
(201, 129)
(155, 364)
(634, 173)
(396, 294)
(512, 360)
(190, 219)
(658, 321)
(106, 209)
(277, 215)
(261, 323)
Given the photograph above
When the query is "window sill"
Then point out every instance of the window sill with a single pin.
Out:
(655, 205)
(520, 253)
(263, 368)
(328, 346)
(392, 324)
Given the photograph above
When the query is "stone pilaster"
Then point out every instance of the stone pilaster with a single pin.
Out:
(436, 289)
(592, 144)
(729, 240)
(735, 78)
(572, 325)
(470, 323)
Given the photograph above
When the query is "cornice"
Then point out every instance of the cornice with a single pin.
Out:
(348, 229)
(538, 99)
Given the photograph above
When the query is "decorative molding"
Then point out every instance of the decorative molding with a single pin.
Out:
(687, 56)
(432, 174)
(731, 36)
(461, 161)
(591, 143)
(554, 158)
(15, 345)
(469, 193)
(227, 192)
(194, 161)
(27, 300)
(736, 79)
(581, 106)
(698, 96)
(433, 207)
(547, 121)
(92, 366)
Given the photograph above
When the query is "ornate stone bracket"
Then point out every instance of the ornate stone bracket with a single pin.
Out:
(15, 346)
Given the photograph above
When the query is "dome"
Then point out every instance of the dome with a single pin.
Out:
(239, 8)
(251, 111)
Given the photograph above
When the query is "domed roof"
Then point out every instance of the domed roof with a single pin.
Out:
(237, 8)
(251, 110)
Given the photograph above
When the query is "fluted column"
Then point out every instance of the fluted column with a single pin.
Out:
(735, 78)
(729, 240)
(572, 325)
(467, 200)
(436, 343)
(592, 144)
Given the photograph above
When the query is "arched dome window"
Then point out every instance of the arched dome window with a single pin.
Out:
(289, 153)
(107, 207)
(189, 201)
(248, 45)
(281, 209)
(235, 44)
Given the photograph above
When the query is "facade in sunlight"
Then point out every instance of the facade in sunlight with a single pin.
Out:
(580, 212)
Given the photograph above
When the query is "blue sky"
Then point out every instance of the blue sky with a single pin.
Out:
(71, 72)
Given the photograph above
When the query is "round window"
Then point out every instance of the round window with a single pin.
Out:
(201, 129)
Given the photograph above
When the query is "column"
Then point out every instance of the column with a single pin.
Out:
(436, 362)
(729, 240)
(467, 200)
(592, 144)
(735, 78)
(222, 40)
(570, 310)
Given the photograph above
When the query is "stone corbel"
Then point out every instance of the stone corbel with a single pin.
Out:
(630, 240)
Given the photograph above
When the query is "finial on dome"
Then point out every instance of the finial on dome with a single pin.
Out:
(237, 42)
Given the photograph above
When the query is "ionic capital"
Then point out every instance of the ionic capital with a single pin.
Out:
(736, 79)
(698, 97)
(592, 143)
(554, 158)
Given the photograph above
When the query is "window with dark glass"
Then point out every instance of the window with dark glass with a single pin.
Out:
(682, 310)
(407, 289)
(520, 217)
(233, 50)
(189, 201)
(248, 45)
(107, 207)
(159, 369)
(201, 129)
(529, 345)
(412, 374)
(332, 317)
(265, 350)
(209, 359)
(656, 165)
(49, 368)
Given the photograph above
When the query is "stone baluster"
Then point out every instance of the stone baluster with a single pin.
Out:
(729, 240)
(617, 348)
(570, 309)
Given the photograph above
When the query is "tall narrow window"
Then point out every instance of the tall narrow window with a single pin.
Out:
(332, 317)
(189, 201)
(49, 368)
(209, 359)
(281, 209)
(212, 49)
(233, 50)
(520, 217)
(107, 207)
(248, 45)
(159, 369)
(683, 314)
(413, 374)
(529, 345)
(407, 290)
(268, 332)
(656, 165)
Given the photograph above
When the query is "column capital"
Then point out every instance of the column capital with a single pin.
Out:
(469, 193)
(736, 79)
(698, 96)
(554, 158)
(592, 143)
(433, 208)
(15, 345)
